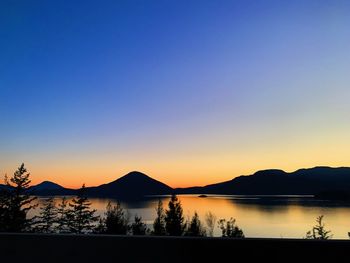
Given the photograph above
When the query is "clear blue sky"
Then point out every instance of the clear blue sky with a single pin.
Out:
(187, 91)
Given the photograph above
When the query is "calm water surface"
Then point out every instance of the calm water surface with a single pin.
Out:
(274, 216)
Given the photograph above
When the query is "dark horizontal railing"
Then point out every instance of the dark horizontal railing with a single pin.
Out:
(26, 248)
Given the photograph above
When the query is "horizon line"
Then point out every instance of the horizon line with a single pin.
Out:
(288, 172)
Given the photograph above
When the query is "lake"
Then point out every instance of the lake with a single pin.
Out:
(258, 216)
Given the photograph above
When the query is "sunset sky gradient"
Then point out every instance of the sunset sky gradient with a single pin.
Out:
(188, 92)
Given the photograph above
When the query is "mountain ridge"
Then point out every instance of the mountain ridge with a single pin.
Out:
(274, 181)
(308, 181)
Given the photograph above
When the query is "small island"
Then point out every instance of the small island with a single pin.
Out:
(202, 196)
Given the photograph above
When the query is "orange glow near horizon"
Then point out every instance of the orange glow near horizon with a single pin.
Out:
(194, 166)
(70, 177)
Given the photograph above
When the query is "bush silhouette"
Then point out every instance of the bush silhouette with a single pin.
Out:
(138, 228)
(319, 231)
(195, 227)
(100, 228)
(210, 220)
(230, 229)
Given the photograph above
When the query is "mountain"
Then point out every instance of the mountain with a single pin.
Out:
(49, 188)
(277, 182)
(319, 181)
(132, 185)
(46, 185)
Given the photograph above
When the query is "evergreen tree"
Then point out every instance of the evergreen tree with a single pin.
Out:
(4, 210)
(159, 222)
(174, 219)
(319, 231)
(63, 217)
(80, 218)
(138, 228)
(116, 220)
(230, 229)
(15, 203)
(195, 227)
(47, 217)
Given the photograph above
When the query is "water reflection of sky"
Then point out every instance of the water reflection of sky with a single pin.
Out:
(258, 216)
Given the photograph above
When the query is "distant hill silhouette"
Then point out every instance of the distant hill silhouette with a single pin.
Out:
(46, 185)
(134, 184)
(323, 182)
(49, 188)
(277, 182)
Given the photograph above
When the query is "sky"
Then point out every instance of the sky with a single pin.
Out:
(189, 92)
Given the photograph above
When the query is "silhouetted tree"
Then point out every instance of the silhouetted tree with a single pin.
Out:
(4, 209)
(159, 222)
(138, 228)
(230, 229)
(47, 218)
(63, 216)
(80, 218)
(15, 202)
(210, 220)
(319, 231)
(195, 227)
(116, 220)
(174, 220)
(100, 227)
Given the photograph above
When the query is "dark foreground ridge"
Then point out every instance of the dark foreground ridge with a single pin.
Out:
(88, 248)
